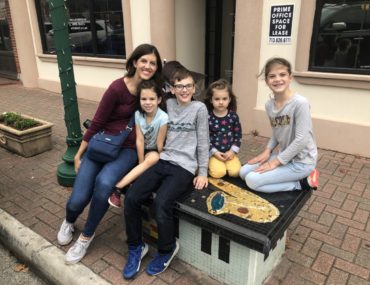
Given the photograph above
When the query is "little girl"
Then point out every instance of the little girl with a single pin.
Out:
(151, 128)
(293, 167)
(224, 130)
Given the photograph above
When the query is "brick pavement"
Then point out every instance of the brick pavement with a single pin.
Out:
(328, 242)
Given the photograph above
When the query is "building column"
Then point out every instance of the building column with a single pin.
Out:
(247, 45)
(126, 7)
(140, 22)
(24, 42)
(162, 27)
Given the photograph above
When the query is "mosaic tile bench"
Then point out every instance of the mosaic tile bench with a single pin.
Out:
(229, 248)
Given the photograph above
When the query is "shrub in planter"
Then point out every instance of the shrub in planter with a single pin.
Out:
(24, 135)
(16, 121)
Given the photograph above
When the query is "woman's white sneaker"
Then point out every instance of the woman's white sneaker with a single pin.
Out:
(65, 233)
(78, 250)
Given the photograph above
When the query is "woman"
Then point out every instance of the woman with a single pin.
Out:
(95, 180)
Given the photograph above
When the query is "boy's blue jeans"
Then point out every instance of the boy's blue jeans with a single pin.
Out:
(170, 182)
(283, 178)
(95, 182)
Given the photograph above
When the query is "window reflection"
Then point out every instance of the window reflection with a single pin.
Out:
(4, 29)
(95, 27)
(342, 41)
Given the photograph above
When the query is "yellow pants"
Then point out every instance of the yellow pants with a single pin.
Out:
(218, 168)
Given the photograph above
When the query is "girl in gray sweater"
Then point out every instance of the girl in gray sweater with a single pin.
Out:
(293, 167)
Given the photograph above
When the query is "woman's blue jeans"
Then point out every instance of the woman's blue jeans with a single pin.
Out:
(283, 178)
(95, 182)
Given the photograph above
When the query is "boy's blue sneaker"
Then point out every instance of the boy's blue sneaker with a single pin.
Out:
(160, 262)
(135, 254)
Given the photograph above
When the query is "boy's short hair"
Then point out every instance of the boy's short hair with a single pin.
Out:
(170, 68)
(180, 74)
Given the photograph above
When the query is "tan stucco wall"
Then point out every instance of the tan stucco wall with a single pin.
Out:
(127, 25)
(190, 33)
(24, 38)
(246, 59)
(340, 115)
(162, 27)
(140, 22)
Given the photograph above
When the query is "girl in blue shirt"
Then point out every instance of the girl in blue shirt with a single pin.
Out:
(151, 128)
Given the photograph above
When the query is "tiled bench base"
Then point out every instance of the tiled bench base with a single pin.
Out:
(223, 259)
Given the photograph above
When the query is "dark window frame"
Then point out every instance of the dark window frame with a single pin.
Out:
(93, 29)
(314, 43)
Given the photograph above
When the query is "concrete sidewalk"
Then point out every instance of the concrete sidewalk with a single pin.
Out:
(328, 243)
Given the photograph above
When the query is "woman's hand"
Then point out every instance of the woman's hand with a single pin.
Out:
(200, 182)
(77, 158)
(77, 162)
(261, 158)
(267, 166)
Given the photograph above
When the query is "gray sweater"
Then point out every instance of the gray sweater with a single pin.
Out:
(187, 141)
(292, 131)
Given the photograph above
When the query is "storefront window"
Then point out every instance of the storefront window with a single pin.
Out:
(341, 38)
(4, 28)
(95, 27)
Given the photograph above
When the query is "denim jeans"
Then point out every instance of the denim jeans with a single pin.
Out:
(283, 178)
(95, 182)
(170, 182)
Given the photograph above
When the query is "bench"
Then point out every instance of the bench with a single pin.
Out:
(228, 248)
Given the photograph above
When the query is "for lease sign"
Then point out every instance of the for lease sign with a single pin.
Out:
(281, 24)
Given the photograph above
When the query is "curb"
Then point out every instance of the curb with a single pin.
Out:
(42, 255)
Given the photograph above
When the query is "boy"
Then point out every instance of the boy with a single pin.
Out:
(185, 153)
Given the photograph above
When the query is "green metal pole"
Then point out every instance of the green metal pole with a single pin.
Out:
(65, 173)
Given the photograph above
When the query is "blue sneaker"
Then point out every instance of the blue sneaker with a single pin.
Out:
(135, 254)
(160, 262)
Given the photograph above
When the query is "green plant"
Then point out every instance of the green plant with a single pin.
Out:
(16, 121)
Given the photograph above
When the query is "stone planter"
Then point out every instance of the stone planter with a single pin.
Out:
(27, 142)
